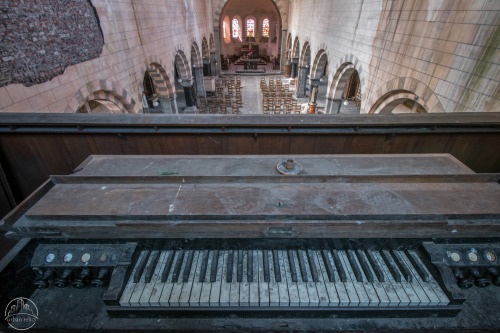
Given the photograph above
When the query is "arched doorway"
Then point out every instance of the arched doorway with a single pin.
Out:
(183, 83)
(304, 70)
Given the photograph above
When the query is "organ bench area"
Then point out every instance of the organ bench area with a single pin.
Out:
(261, 237)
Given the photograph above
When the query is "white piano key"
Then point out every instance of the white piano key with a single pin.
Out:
(282, 286)
(139, 287)
(310, 285)
(188, 286)
(301, 285)
(175, 295)
(129, 287)
(443, 299)
(274, 295)
(344, 298)
(398, 289)
(168, 284)
(293, 292)
(206, 285)
(424, 300)
(216, 287)
(376, 285)
(234, 294)
(387, 285)
(370, 290)
(263, 286)
(225, 287)
(358, 286)
(324, 300)
(254, 286)
(244, 285)
(410, 293)
(333, 298)
(150, 291)
(194, 298)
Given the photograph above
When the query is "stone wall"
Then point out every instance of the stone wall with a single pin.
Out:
(40, 39)
(445, 53)
(138, 35)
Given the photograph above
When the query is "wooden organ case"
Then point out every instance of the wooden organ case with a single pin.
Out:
(247, 242)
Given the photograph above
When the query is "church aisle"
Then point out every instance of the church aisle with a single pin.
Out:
(251, 95)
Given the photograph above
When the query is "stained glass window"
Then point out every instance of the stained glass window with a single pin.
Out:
(250, 28)
(224, 29)
(236, 28)
(265, 28)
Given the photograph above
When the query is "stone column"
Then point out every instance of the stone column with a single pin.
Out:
(283, 51)
(302, 81)
(213, 62)
(198, 81)
(314, 95)
(188, 92)
(295, 66)
(166, 104)
(217, 50)
(207, 67)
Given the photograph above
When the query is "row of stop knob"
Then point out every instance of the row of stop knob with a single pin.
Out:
(67, 277)
(472, 277)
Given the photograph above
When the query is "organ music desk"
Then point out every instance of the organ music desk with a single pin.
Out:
(308, 242)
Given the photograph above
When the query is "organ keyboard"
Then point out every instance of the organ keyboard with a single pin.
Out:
(303, 236)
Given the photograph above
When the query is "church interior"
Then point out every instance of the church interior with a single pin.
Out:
(284, 165)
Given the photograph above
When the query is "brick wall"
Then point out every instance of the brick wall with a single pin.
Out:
(39, 40)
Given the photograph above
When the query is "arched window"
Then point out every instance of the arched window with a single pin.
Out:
(236, 28)
(224, 27)
(250, 28)
(265, 28)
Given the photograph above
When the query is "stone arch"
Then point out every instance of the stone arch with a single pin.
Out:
(103, 90)
(205, 53)
(345, 68)
(305, 56)
(288, 47)
(212, 43)
(425, 96)
(281, 5)
(195, 55)
(182, 65)
(319, 64)
(389, 101)
(161, 80)
(296, 48)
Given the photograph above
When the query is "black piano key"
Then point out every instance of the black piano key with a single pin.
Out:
(152, 265)
(204, 263)
(365, 266)
(229, 267)
(379, 273)
(328, 266)
(187, 268)
(391, 265)
(418, 266)
(354, 265)
(239, 277)
(402, 266)
(168, 266)
(302, 265)
(178, 265)
(140, 267)
(312, 265)
(340, 268)
(215, 263)
(265, 263)
(276, 261)
(291, 262)
(250, 266)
